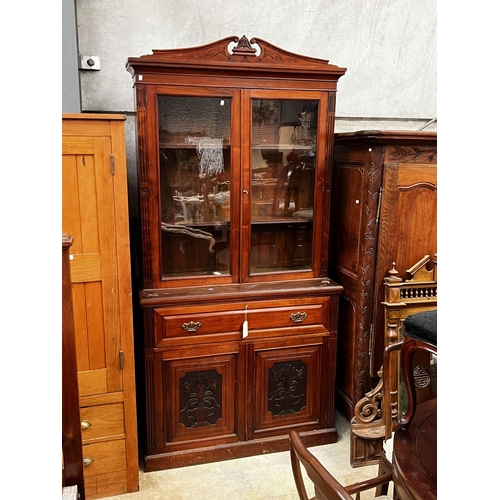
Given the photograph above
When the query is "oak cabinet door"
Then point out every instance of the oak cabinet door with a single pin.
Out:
(408, 227)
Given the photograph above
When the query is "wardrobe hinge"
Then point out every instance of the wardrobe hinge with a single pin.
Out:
(120, 355)
(112, 159)
(380, 191)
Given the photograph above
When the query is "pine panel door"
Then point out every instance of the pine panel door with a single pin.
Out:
(88, 215)
(95, 213)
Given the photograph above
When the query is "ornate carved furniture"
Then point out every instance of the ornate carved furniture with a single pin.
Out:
(384, 195)
(420, 334)
(377, 412)
(368, 427)
(95, 213)
(416, 294)
(240, 318)
(415, 451)
(326, 487)
(71, 431)
(415, 455)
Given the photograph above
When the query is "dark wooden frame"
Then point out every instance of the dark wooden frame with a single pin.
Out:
(72, 474)
(384, 205)
(224, 356)
(376, 414)
(326, 486)
(212, 70)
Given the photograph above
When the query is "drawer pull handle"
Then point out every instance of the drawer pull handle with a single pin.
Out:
(85, 425)
(298, 317)
(191, 326)
(87, 461)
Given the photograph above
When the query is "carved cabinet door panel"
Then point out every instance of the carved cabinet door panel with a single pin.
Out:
(197, 397)
(284, 386)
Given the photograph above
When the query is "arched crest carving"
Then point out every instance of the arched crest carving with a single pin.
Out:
(243, 51)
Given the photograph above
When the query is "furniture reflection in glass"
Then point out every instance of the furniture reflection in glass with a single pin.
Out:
(195, 184)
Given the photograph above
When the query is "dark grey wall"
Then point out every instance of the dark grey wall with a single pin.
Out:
(71, 95)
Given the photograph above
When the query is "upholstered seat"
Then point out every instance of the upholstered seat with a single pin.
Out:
(422, 326)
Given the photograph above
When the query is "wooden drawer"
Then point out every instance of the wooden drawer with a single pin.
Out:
(104, 457)
(218, 323)
(101, 422)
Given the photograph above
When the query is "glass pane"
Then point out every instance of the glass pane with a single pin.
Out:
(283, 180)
(194, 138)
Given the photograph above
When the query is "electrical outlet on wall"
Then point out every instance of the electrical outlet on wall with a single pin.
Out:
(90, 62)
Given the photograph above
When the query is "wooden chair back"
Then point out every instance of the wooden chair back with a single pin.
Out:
(325, 485)
(416, 293)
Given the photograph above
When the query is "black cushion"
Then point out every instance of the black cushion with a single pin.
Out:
(422, 326)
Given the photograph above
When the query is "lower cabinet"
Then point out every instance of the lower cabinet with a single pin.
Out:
(104, 449)
(217, 389)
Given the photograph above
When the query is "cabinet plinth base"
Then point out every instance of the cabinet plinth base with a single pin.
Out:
(344, 404)
(220, 453)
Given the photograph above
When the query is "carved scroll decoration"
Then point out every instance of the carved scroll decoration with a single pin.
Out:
(244, 51)
(367, 430)
(370, 407)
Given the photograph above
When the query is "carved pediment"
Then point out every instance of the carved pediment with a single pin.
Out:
(235, 50)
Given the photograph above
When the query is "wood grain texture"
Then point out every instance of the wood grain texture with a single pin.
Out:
(95, 206)
(207, 388)
(71, 431)
(384, 210)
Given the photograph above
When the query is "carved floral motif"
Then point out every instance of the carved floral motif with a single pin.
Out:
(367, 270)
(415, 154)
(286, 387)
(200, 398)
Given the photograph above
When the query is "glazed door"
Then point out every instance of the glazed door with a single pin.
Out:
(89, 216)
(196, 214)
(283, 172)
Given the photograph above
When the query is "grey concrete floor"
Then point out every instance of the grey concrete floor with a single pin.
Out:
(253, 478)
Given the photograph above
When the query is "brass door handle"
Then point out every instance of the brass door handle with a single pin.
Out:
(298, 317)
(87, 461)
(191, 326)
